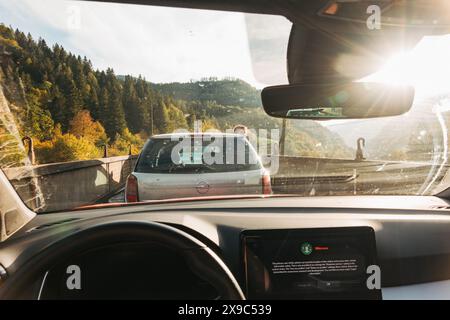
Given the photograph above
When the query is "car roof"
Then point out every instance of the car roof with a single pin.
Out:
(194, 134)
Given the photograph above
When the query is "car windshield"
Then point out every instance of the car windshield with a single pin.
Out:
(94, 96)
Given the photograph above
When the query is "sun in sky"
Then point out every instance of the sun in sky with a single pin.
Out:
(426, 67)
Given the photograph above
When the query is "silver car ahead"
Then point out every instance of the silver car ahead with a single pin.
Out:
(193, 165)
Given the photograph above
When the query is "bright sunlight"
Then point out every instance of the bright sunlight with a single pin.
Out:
(426, 67)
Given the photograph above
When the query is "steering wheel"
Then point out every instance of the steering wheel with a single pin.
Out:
(202, 261)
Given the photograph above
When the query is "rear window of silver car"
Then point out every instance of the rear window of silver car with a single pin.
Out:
(198, 155)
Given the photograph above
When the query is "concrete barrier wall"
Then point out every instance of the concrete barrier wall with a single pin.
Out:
(58, 186)
(321, 176)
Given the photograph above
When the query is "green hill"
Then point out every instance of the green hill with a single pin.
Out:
(226, 92)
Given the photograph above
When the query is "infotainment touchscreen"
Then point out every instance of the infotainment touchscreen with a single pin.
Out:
(320, 263)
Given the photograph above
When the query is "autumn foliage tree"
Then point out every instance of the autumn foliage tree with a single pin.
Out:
(126, 140)
(83, 126)
(66, 147)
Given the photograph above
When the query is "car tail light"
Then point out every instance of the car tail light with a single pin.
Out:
(266, 184)
(131, 189)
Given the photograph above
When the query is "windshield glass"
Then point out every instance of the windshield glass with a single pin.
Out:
(87, 89)
(198, 155)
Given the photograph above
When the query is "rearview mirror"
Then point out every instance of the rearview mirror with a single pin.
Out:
(354, 100)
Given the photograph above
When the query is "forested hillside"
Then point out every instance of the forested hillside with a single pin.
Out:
(226, 92)
(71, 110)
(240, 103)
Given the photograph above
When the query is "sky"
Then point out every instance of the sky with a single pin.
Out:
(426, 67)
(162, 44)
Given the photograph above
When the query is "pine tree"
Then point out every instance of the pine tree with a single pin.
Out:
(160, 116)
(132, 106)
(115, 117)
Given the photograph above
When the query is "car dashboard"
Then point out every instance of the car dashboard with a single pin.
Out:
(276, 248)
